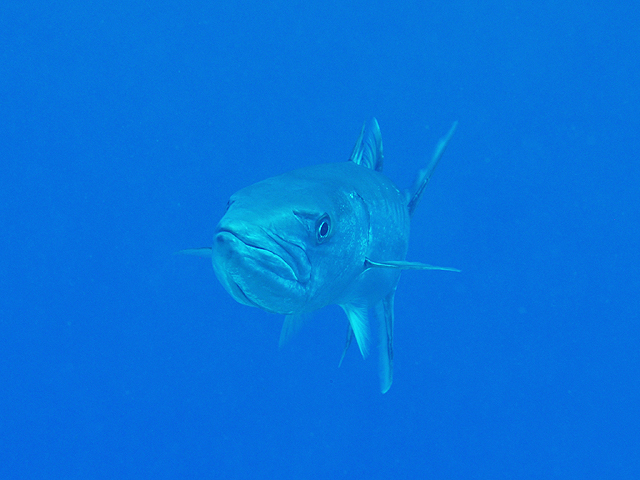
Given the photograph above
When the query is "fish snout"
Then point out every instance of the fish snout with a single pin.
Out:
(259, 269)
(270, 251)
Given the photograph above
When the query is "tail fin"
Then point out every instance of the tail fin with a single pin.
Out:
(415, 193)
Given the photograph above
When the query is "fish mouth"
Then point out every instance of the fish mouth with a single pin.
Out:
(269, 252)
(238, 293)
(261, 269)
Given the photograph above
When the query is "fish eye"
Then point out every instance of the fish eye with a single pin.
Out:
(323, 228)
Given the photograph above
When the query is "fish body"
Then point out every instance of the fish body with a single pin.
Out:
(271, 249)
(334, 233)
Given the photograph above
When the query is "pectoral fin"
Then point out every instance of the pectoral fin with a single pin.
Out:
(403, 265)
(291, 326)
(198, 252)
(358, 321)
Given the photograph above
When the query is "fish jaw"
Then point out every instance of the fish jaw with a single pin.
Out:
(260, 272)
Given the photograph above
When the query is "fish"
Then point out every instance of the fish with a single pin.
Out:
(334, 233)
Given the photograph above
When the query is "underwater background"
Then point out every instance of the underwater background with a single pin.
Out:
(125, 127)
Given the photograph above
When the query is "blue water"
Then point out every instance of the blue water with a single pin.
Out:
(124, 128)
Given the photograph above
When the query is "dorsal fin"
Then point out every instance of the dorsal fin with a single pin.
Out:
(368, 148)
(424, 175)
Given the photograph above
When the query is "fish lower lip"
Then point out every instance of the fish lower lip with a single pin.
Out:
(244, 295)
(265, 257)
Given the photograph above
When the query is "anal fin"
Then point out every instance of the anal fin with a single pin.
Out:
(384, 312)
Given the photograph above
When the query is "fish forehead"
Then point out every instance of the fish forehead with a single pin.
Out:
(333, 188)
(317, 187)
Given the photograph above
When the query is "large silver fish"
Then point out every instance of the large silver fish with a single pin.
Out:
(334, 233)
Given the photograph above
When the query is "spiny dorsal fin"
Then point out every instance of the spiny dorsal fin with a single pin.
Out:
(425, 174)
(368, 148)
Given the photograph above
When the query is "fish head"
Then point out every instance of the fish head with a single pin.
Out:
(289, 245)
